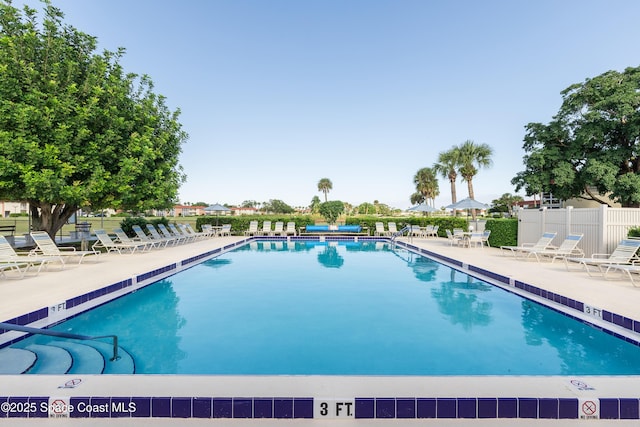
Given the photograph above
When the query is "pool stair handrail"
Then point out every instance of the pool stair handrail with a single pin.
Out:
(38, 331)
(405, 229)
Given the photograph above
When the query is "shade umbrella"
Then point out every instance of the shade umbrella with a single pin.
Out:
(217, 208)
(422, 207)
(467, 204)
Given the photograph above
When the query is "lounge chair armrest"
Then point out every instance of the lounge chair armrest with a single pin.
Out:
(527, 245)
(600, 255)
(67, 248)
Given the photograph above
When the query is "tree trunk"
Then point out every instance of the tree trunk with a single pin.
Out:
(454, 196)
(470, 188)
(49, 217)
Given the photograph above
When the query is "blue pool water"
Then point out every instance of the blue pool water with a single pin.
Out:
(345, 309)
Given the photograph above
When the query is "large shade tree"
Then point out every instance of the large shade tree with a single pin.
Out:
(75, 129)
(591, 147)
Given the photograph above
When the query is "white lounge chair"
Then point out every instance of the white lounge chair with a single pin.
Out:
(253, 229)
(568, 247)
(188, 229)
(380, 231)
(393, 228)
(121, 237)
(182, 232)
(48, 248)
(105, 241)
(266, 229)
(542, 244)
(164, 232)
(624, 253)
(143, 237)
(12, 260)
(157, 237)
(278, 229)
(291, 229)
(15, 266)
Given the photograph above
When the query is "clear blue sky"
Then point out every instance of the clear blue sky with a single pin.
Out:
(277, 94)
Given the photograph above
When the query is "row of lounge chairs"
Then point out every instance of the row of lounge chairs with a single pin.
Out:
(47, 252)
(266, 230)
(154, 238)
(623, 259)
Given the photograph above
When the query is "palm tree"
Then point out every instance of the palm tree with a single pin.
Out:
(325, 186)
(471, 157)
(427, 184)
(446, 167)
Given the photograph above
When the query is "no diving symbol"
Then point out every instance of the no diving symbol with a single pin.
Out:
(589, 408)
(71, 383)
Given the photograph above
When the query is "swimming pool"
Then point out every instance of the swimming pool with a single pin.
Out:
(345, 308)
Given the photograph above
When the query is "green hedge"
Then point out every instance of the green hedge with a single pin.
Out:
(504, 232)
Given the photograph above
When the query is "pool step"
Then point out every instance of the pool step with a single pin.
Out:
(16, 360)
(50, 359)
(65, 357)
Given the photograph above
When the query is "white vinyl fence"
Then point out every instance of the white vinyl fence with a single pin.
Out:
(603, 227)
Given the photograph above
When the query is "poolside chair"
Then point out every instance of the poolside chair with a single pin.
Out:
(13, 260)
(225, 230)
(569, 247)
(182, 232)
(416, 231)
(105, 241)
(15, 266)
(542, 244)
(627, 270)
(164, 232)
(291, 229)
(485, 237)
(453, 238)
(159, 238)
(253, 229)
(266, 229)
(143, 237)
(188, 229)
(392, 228)
(624, 253)
(380, 231)
(278, 229)
(121, 237)
(432, 231)
(48, 248)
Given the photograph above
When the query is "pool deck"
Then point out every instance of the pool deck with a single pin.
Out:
(50, 287)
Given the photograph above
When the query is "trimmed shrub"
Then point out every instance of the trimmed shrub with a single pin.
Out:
(504, 232)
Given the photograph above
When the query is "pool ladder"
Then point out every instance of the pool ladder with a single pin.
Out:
(406, 228)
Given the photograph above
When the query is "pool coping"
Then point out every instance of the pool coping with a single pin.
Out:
(322, 397)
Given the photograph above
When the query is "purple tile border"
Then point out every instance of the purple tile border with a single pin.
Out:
(303, 407)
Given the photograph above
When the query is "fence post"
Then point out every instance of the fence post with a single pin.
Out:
(603, 232)
(568, 220)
